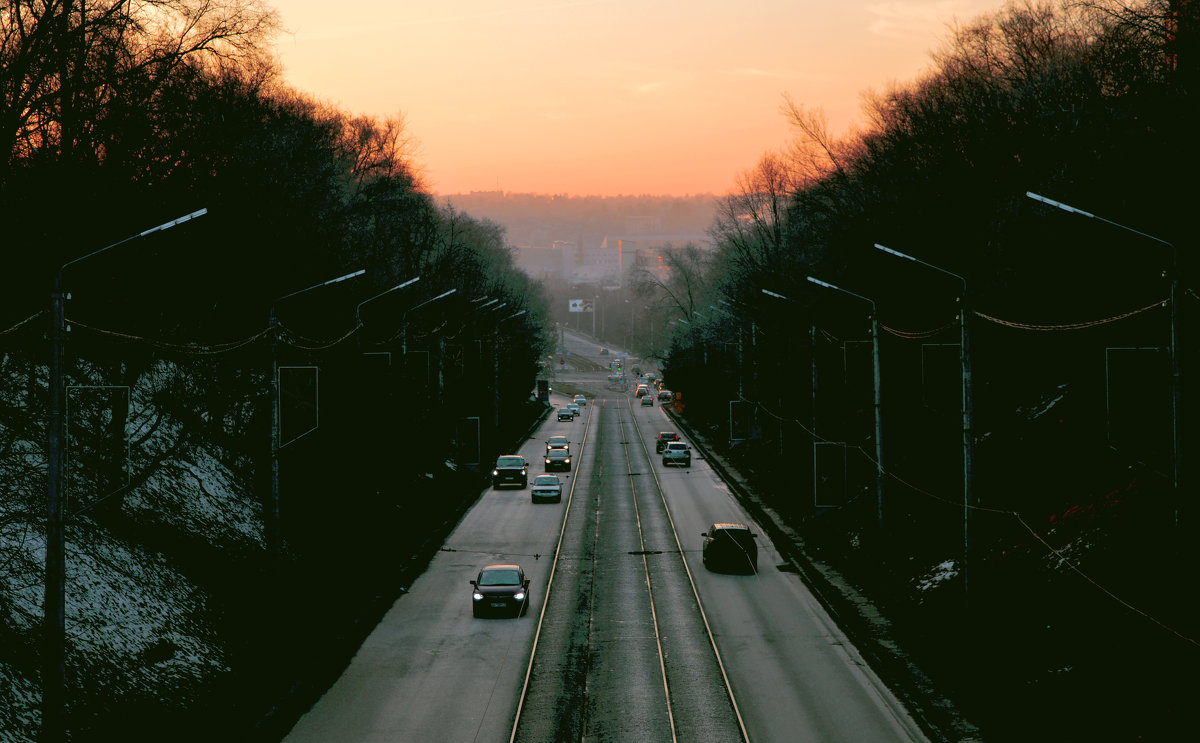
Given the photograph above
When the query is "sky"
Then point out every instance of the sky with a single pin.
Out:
(605, 97)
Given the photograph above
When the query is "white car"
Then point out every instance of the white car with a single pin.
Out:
(677, 452)
(580, 400)
(546, 488)
(574, 409)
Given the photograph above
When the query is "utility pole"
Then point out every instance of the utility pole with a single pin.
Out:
(55, 600)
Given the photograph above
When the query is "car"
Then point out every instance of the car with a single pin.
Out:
(677, 452)
(647, 401)
(575, 411)
(546, 488)
(511, 469)
(603, 351)
(729, 547)
(500, 589)
(558, 442)
(558, 459)
(665, 395)
(664, 438)
(642, 389)
(580, 400)
(565, 414)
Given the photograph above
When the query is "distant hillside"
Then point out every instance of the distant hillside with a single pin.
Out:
(540, 219)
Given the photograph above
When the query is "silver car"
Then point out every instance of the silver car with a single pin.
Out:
(546, 489)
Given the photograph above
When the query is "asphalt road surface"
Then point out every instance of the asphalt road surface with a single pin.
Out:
(628, 637)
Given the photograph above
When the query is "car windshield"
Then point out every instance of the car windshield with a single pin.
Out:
(677, 446)
(499, 577)
(545, 480)
(510, 462)
(556, 454)
(557, 441)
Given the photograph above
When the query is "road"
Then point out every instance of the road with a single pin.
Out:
(628, 637)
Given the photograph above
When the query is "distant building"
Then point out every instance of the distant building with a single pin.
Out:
(606, 264)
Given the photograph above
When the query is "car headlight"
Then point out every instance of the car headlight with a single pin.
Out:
(567, 460)
(495, 472)
(519, 595)
(547, 461)
(477, 596)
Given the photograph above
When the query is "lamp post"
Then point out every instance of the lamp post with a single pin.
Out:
(1172, 354)
(358, 309)
(968, 409)
(273, 530)
(404, 322)
(878, 402)
(53, 667)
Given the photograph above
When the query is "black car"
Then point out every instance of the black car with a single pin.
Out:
(511, 469)
(558, 442)
(730, 547)
(565, 414)
(500, 589)
(558, 459)
(664, 437)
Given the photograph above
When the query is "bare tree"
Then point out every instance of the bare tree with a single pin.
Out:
(62, 65)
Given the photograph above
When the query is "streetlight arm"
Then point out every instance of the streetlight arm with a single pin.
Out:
(380, 294)
(827, 285)
(905, 256)
(359, 272)
(433, 299)
(1089, 215)
(143, 233)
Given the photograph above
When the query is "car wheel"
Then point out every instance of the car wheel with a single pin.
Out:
(525, 483)
(475, 610)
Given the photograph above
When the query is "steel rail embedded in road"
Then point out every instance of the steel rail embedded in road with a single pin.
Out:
(549, 584)
(646, 568)
(691, 580)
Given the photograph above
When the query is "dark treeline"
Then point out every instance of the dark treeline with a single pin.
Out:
(116, 117)
(1088, 103)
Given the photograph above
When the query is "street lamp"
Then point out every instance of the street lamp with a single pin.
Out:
(358, 309)
(53, 668)
(274, 533)
(1173, 357)
(968, 407)
(879, 471)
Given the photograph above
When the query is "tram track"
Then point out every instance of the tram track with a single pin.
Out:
(590, 659)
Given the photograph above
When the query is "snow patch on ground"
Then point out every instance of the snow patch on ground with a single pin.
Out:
(936, 576)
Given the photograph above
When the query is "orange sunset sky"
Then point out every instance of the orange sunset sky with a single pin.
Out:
(605, 97)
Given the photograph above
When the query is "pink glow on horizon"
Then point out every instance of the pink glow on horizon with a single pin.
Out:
(606, 97)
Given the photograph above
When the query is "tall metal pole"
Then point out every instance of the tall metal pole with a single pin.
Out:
(53, 662)
(273, 527)
(968, 410)
(1176, 390)
(968, 437)
(55, 602)
(880, 475)
(815, 380)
